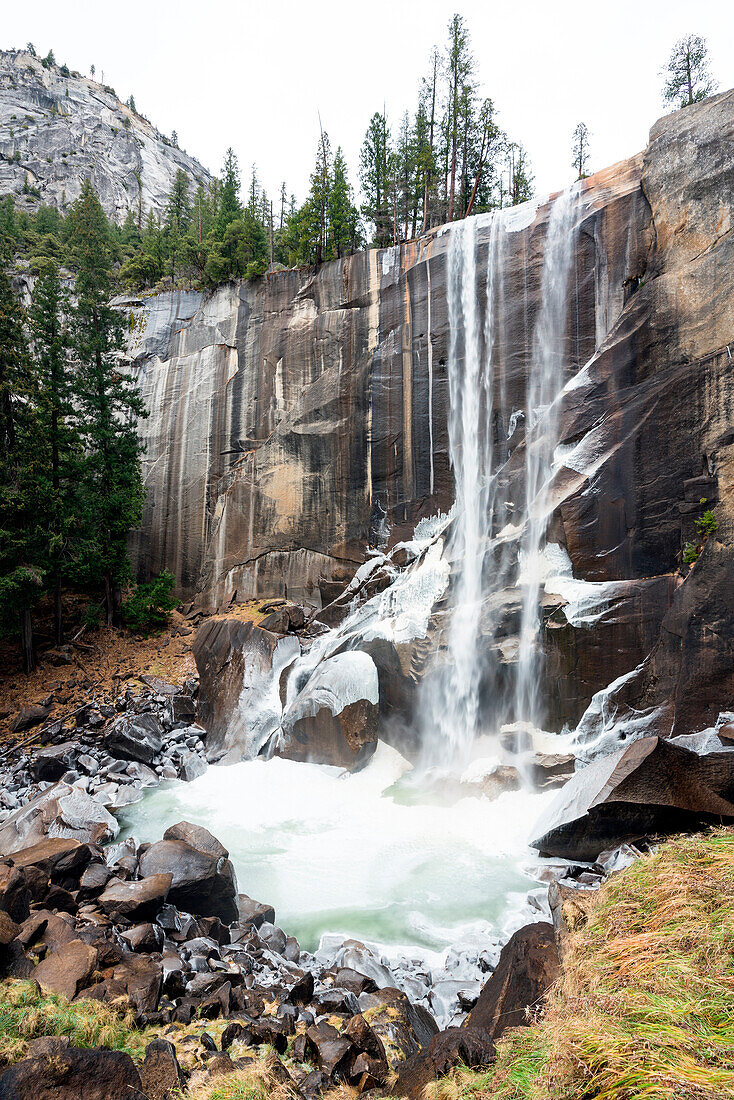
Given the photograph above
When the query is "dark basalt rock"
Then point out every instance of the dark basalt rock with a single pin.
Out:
(329, 1049)
(650, 787)
(160, 1073)
(68, 969)
(202, 883)
(528, 966)
(139, 738)
(51, 762)
(136, 900)
(469, 1046)
(71, 1074)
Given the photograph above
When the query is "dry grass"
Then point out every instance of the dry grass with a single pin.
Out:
(645, 1008)
(254, 1083)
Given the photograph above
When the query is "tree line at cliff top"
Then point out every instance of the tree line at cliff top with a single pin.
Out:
(447, 160)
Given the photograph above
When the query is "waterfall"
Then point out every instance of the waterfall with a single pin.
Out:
(469, 693)
(546, 379)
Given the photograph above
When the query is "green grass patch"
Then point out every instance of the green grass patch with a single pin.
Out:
(26, 1014)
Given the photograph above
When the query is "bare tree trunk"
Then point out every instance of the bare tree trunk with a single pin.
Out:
(26, 640)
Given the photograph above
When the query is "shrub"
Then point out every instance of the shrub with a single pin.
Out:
(148, 607)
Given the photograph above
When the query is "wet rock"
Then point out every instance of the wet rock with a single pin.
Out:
(136, 900)
(59, 811)
(8, 929)
(528, 966)
(143, 937)
(330, 1050)
(71, 1074)
(196, 836)
(160, 1073)
(369, 1068)
(139, 738)
(51, 762)
(650, 787)
(66, 970)
(403, 1028)
(336, 712)
(15, 898)
(253, 913)
(202, 883)
(237, 663)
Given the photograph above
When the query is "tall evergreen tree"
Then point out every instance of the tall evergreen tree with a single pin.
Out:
(374, 171)
(108, 401)
(21, 579)
(59, 436)
(230, 206)
(342, 213)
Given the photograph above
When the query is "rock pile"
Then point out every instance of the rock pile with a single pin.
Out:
(109, 757)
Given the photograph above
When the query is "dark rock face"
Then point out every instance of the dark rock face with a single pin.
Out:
(653, 786)
(237, 662)
(469, 1046)
(528, 966)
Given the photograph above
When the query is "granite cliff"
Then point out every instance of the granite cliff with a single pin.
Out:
(58, 128)
(299, 420)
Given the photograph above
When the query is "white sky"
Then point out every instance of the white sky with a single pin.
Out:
(255, 75)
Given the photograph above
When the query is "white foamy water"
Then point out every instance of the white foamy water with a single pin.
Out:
(334, 854)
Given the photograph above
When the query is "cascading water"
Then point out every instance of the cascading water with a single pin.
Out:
(467, 695)
(546, 379)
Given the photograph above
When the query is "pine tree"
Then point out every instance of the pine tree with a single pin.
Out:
(108, 402)
(342, 213)
(230, 206)
(374, 174)
(688, 79)
(21, 579)
(581, 138)
(176, 220)
(59, 437)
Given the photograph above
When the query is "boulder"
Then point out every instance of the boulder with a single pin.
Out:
(57, 857)
(329, 1049)
(139, 738)
(28, 717)
(136, 901)
(50, 762)
(469, 1046)
(8, 929)
(59, 811)
(652, 786)
(160, 1072)
(238, 663)
(73, 1073)
(252, 913)
(402, 1027)
(336, 712)
(202, 883)
(196, 836)
(15, 898)
(527, 968)
(369, 1068)
(67, 970)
